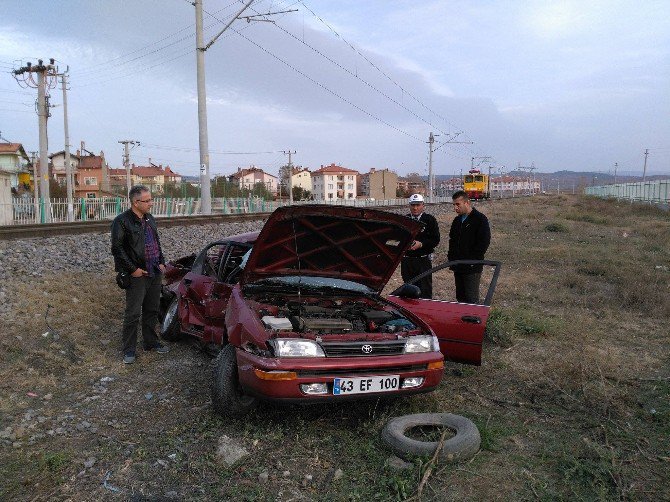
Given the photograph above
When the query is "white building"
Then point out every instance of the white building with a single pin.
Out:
(249, 178)
(302, 178)
(514, 185)
(334, 182)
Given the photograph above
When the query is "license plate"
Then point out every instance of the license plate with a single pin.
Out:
(364, 385)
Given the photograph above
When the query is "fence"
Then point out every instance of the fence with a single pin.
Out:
(26, 210)
(657, 191)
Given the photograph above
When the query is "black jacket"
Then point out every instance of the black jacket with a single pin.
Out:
(429, 236)
(128, 241)
(469, 240)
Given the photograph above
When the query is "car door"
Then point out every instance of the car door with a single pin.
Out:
(217, 294)
(459, 327)
(198, 289)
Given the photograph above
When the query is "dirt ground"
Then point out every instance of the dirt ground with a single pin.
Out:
(572, 399)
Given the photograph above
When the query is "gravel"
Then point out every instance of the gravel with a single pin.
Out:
(36, 257)
(69, 253)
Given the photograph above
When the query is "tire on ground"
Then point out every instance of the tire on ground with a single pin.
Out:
(170, 329)
(228, 399)
(462, 446)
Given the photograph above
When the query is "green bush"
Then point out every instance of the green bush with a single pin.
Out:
(556, 227)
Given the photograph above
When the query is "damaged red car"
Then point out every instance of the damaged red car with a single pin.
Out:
(295, 311)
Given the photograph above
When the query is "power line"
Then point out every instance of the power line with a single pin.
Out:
(122, 56)
(375, 66)
(328, 58)
(10, 110)
(95, 80)
(217, 152)
(17, 92)
(325, 88)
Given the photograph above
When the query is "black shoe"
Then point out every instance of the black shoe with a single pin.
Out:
(161, 349)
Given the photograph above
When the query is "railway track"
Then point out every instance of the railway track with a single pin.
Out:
(85, 227)
(12, 232)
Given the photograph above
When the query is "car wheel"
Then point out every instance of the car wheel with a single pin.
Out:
(462, 446)
(228, 398)
(170, 325)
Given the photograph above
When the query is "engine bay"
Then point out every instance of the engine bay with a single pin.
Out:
(328, 316)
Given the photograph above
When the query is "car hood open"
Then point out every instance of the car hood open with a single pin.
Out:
(355, 244)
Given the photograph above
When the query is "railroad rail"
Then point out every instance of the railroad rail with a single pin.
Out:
(11, 232)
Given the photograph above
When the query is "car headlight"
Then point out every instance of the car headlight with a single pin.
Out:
(294, 347)
(421, 343)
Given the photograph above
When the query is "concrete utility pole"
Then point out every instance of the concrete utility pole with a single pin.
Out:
(205, 188)
(290, 175)
(644, 170)
(431, 180)
(126, 160)
(69, 185)
(431, 140)
(46, 78)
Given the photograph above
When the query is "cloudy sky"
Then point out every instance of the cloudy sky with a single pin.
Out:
(576, 85)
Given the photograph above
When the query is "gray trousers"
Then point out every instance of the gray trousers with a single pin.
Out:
(467, 287)
(142, 300)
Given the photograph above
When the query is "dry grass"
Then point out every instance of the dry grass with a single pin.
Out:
(572, 400)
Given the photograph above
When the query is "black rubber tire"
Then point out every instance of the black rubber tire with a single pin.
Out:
(462, 446)
(228, 399)
(170, 328)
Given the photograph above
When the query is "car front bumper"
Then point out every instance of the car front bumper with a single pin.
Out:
(277, 379)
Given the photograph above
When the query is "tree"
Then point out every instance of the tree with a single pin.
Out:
(179, 190)
(56, 190)
(299, 193)
(221, 187)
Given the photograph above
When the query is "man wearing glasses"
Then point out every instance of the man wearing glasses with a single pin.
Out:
(137, 252)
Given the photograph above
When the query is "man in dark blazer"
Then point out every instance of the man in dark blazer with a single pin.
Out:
(469, 238)
(418, 258)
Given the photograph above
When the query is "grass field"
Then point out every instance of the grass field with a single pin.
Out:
(572, 399)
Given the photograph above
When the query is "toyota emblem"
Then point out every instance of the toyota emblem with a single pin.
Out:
(366, 349)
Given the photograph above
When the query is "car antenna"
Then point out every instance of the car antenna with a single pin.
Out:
(297, 254)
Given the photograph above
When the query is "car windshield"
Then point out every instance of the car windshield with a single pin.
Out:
(313, 284)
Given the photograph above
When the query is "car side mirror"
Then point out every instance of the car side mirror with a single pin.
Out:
(408, 291)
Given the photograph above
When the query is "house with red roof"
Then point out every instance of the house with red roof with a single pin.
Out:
(250, 177)
(334, 182)
(90, 172)
(15, 162)
(153, 176)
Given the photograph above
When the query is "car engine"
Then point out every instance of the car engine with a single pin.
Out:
(324, 316)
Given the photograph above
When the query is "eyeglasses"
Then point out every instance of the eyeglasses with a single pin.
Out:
(148, 201)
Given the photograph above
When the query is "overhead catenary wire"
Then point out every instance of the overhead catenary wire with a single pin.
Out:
(355, 75)
(216, 152)
(183, 53)
(127, 54)
(375, 66)
(358, 77)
